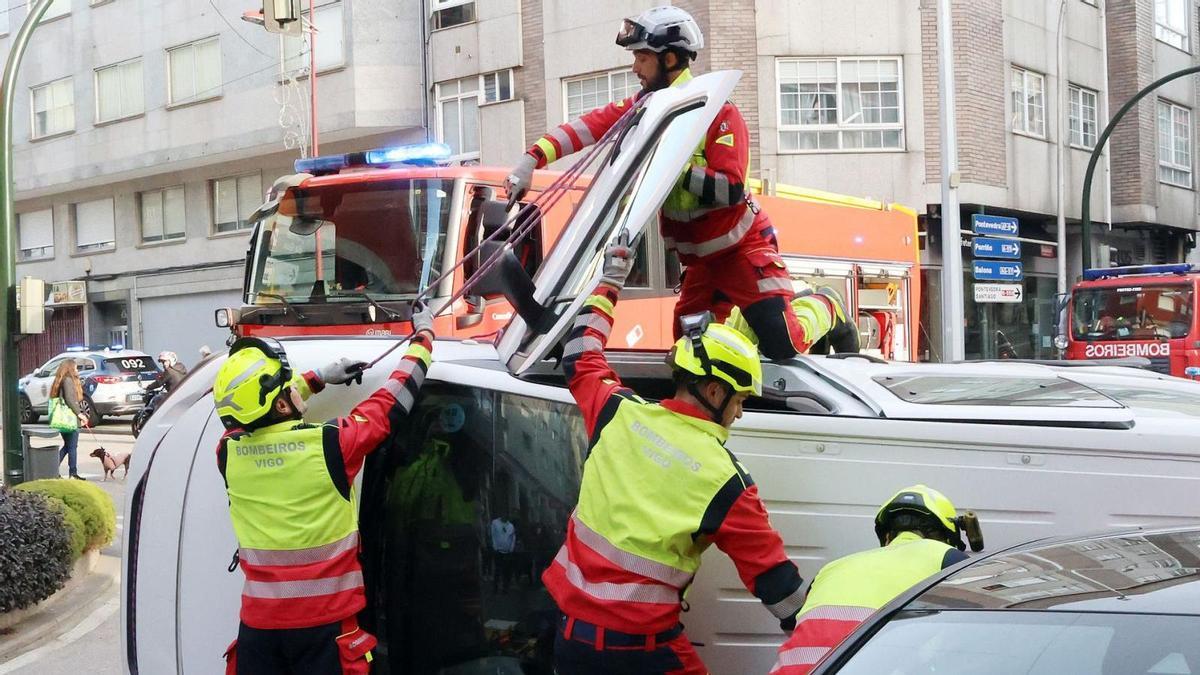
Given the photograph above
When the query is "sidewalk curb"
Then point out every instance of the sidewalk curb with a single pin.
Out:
(53, 615)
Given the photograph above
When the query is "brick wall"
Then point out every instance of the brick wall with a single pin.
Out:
(980, 89)
(531, 76)
(1131, 67)
(731, 43)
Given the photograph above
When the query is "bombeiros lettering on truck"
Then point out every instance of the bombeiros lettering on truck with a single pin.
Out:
(1150, 350)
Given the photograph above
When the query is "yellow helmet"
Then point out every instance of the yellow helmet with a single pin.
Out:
(923, 501)
(715, 350)
(256, 372)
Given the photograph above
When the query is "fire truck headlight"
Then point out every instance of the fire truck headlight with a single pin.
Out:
(1060, 341)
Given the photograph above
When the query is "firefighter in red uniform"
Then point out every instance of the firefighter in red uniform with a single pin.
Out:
(658, 488)
(290, 488)
(721, 235)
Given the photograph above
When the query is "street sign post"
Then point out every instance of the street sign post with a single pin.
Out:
(995, 226)
(989, 247)
(1009, 293)
(997, 270)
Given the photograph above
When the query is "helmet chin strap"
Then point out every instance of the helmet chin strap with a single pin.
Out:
(716, 413)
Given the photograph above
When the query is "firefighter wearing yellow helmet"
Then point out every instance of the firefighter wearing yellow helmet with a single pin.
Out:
(658, 489)
(919, 533)
(292, 503)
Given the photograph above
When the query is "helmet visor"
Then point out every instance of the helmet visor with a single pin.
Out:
(631, 33)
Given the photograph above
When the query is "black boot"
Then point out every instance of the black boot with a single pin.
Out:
(77, 477)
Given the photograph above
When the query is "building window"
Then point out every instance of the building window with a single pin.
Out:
(56, 9)
(119, 91)
(94, 225)
(331, 41)
(449, 13)
(35, 232)
(497, 86)
(1028, 102)
(162, 214)
(195, 71)
(585, 94)
(234, 200)
(840, 104)
(458, 115)
(53, 108)
(1171, 22)
(1174, 144)
(1083, 117)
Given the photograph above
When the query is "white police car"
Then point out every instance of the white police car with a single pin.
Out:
(113, 379)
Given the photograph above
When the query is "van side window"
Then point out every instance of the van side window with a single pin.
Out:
(478, 491)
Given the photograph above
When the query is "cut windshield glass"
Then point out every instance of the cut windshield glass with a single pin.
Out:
(995, 391)
(333, 242)
(1030, 643)
(1132, 313)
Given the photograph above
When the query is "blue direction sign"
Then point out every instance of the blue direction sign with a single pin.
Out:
(987, 247)
(997, 270)
(998, 226)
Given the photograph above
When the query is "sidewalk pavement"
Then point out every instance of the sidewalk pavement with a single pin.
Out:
(85, 597)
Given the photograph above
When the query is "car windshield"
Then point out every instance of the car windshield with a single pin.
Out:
(384, 239)
(1030, 643)
(1132, 313)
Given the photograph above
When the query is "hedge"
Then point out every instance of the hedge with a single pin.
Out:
(76, 532)
(90, 502)
(35, 549)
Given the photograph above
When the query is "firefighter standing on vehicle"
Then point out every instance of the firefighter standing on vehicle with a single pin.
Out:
(919, 533)
(709, 219)
(292, 504)
(658, 489)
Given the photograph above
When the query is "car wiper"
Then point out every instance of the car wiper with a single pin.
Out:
(390, 313)
(287, 306)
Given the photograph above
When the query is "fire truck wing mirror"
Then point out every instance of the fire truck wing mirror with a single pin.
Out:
(508, 278)
(306, 227)
(226, 317)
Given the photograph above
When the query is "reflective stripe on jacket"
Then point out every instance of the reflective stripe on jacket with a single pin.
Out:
(658, 489)
(709, 212)
(849, 590)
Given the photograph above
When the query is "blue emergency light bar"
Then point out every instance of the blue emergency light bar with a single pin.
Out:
(1109, 272)
(421, 154)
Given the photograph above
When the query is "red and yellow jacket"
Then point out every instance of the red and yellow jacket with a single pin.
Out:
(658, 489)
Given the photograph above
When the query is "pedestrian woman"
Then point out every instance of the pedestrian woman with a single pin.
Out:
(68, 388)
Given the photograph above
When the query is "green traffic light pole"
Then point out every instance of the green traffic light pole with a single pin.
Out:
(14, 456)
(1086, 207)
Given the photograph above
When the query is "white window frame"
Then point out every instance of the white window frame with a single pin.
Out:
(1177, 35)
(1027, 76)
(1169, 163)
(243, 220)
(840, 125)
(1076, 95)
(49, 15)
(300, 44)
(172, 100)
(439, 5)
(610, 96)
(442, 99)
(141, 109)
(500, 76)
(43, 252)
(95, 247)
(33, 130)
(161, 195)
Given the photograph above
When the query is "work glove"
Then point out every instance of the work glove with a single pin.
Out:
(343, 371)
(618, 262)
(519, 180)
(422, 318)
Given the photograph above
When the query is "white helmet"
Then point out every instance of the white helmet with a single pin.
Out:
(661, 28)
(168, 358)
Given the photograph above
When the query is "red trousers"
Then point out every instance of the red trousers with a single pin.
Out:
(753, 277)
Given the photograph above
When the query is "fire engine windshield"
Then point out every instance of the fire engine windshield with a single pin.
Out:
(1132, 313)
(335, 243)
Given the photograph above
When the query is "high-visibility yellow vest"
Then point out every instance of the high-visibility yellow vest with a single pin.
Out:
(874, 578)
(281, 494)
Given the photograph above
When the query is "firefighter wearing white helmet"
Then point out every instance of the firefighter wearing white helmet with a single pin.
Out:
(291, 500)
(920, 533)
(710, 219)
(633, 546)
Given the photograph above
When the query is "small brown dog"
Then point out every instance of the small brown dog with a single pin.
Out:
(111, 462)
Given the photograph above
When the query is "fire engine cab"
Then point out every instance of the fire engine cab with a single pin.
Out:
(1143, 311)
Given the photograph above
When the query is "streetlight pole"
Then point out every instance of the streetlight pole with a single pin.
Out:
(312, 73)
(953, 347)
(14, 456)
